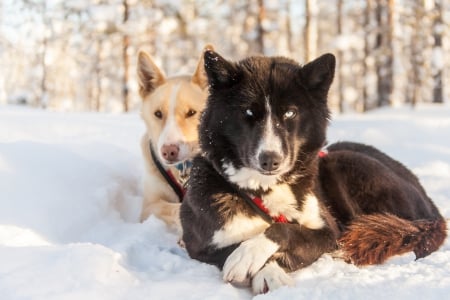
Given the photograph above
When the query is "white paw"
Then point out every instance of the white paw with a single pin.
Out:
(247, 259)
(270, 278)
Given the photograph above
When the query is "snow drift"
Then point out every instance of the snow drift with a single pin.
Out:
(70, 196)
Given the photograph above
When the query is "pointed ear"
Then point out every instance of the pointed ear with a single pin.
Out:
(199, 78)
(318, 74)
(220, 72)
(149, 75)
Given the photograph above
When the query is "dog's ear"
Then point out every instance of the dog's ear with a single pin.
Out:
(149, 75)
(220, 72)
(200, 78)
(318, 74)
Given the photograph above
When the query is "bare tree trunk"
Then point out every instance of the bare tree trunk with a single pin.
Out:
(417, 45)
(340, 58)
(2, 75)
(365, 71)
(125, 58)
(43, 99)
(310, 30)
(437, 63)
(98, 78)
(288, 28)
(260, 28)
(390, 52)
(44, 92)
(384, 51)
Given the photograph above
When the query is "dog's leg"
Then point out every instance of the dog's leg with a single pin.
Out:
(247, 259)
(166, 211)
(300, 246)
(292, 245)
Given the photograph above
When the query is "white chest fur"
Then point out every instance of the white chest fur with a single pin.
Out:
(281, 201)
(238, 229)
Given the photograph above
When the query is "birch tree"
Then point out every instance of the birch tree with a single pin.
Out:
(437, 58)
(125, 58)
(340, 57)
(311, 28)
(384, 11)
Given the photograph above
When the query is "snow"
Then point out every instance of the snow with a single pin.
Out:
(70, 195)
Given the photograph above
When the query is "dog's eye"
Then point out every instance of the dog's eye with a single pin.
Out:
(190, 113)
(158, 114)
(289, 114)
(249, 112)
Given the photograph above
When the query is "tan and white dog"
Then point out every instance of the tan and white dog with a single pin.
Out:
(171, 110)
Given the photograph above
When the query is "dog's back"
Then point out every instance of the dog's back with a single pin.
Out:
(379, 204)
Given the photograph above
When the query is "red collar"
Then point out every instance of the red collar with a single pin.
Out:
(279, 219)
(176, 182)
(323, 153)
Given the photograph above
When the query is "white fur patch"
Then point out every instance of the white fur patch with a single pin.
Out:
(238, 229)
(269, 141)
(171, 133)
(248, 258)
(281, 200)
(248, 178)
(311, 217)
(271, 277)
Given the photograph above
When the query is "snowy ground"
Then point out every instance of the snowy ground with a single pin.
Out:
(70, 196)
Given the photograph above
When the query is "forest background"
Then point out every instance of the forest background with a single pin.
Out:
(80, 55)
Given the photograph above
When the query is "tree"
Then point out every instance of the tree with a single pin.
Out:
(311, 26)
(420, 54)
(259, 26)
(2, 74)
(437, 59)
(125, 58)
(383, 51)
(47, 22)
(253, 30)
(365, 65)
(340, 58)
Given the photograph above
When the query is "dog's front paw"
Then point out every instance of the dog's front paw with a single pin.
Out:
(269, 278)
(247, 259)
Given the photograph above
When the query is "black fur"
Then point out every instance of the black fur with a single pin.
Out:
(353, 180)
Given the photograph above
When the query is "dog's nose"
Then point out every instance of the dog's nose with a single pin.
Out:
(269, 160)
(170, 152)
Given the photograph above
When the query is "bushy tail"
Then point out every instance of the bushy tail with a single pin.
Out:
(372, 239)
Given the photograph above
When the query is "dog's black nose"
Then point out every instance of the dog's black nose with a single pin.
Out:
(269, 160)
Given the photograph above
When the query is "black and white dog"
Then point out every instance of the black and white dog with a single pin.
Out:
(263, 199)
